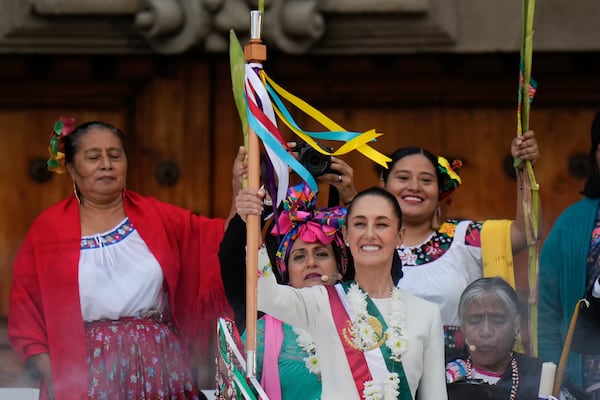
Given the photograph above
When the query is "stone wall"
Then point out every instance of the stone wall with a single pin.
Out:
(330, 27)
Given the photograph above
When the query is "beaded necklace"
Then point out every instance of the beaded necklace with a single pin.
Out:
(514, 375)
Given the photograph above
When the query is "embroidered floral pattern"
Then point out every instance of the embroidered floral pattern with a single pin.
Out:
(439, 242)
(591, 362)
(453, 337)
(514, 387)
(107, 239)
(448, 228)
(136, 359)
(473, 234)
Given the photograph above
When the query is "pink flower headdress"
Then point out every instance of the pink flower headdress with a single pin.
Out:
(301, 219)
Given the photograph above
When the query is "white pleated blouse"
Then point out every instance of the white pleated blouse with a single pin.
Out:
(118, 275)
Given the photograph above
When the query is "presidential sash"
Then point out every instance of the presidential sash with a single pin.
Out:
(375, 363)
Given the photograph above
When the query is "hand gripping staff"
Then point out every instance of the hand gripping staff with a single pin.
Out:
(524, 169)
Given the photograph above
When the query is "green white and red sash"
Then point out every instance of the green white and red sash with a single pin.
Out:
(375, 364)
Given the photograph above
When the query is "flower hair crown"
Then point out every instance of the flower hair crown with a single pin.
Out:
(301, 219)
(450, 179)
(62, 128)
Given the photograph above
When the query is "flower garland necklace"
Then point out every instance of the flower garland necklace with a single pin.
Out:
(307, 344)
(514, 375)
(365, 338)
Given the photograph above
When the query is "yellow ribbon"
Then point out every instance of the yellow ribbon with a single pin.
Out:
(359, 143)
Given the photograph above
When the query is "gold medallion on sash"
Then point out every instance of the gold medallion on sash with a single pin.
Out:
(376, 332)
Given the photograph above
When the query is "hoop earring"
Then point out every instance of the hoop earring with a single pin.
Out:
(76, 193)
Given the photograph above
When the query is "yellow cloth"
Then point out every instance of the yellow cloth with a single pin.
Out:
(496, 252)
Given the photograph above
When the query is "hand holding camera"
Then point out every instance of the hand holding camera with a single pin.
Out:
(316, 163)
(328, 169)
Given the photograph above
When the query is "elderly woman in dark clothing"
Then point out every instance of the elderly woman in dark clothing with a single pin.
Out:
(489, 315)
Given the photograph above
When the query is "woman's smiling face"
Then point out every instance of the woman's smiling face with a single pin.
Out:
(372, 231)
(413, 181)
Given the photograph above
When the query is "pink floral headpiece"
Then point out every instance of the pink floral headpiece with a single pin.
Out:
(301, 219)
(62, 128)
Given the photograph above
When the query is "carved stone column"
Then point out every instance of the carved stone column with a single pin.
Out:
(294, 26)
(173, 26)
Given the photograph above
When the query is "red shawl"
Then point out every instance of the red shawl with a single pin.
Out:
(44, 311)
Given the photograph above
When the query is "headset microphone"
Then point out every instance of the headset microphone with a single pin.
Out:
(470, 346)
(331, 279)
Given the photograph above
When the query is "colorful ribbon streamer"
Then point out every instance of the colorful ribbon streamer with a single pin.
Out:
(264, 103)
(354, 140)
(261, 119)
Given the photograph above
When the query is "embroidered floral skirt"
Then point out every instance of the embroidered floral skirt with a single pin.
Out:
(454, 342)
(135, 359)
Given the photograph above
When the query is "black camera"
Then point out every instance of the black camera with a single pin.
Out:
(316, 163)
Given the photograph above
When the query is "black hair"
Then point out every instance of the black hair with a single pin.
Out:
(409, 151)
(377, 191)
(397, 272)
(71, 142)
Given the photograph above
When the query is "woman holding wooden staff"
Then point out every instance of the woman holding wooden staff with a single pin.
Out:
(311, 252)
(374, 340)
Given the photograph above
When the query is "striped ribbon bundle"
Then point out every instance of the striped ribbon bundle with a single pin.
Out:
(264, 101)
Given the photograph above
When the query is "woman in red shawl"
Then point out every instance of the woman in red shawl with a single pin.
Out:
(113, 292)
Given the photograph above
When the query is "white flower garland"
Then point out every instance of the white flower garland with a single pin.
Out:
(364, 338)
(306, 343)
(390, 389)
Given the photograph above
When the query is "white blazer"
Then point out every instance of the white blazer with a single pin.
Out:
(309, 308)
